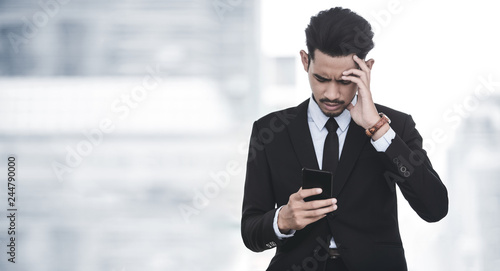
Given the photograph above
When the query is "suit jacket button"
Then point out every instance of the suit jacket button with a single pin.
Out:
(271, 244)
(402, 168)
(406, 174)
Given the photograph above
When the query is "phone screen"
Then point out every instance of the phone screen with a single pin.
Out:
(312, 178)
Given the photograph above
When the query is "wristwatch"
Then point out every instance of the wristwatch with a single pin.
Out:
(383, 120)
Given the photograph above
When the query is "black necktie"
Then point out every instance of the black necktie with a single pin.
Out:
(331, 148)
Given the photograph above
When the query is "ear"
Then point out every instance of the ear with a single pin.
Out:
(370, 63)
(304, 57)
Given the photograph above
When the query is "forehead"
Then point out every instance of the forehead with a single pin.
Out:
(323, 63)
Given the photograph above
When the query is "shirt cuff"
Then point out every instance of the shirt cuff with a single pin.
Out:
(280, 235)
(383, 143)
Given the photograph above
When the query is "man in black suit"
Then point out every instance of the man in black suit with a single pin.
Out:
(357, 229)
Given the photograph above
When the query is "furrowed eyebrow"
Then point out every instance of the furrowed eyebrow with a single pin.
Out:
(321, 77)
(340, 80)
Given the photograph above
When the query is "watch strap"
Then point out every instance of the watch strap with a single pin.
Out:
(383, 120)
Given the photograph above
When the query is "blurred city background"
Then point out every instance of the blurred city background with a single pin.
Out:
(130, 121)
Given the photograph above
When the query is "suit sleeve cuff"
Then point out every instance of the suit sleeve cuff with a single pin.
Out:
(280, 235)
(384, 142)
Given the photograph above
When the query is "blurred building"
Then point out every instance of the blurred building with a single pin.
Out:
(474, 189)
(210, 39)
(63, 66)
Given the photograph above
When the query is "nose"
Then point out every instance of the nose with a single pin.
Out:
(332, 91)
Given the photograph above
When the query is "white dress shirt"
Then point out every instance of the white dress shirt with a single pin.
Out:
(317, 120)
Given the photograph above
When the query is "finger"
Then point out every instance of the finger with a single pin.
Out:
(361, 84)
(355, 73)
(304, 193)
(361, 63)
(359, 74)
(296, 195)
(319, 212)
(318, 204)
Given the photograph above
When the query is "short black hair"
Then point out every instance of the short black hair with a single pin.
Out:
(339, 32)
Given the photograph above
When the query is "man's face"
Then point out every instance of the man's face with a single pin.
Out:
(325, 72)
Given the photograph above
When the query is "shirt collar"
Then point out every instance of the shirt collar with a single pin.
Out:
(320, 119)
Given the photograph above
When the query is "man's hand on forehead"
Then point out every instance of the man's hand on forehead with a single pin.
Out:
(357, 66)
(364, 112)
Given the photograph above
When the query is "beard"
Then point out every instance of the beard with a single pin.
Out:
(331, 114)
(336, 101)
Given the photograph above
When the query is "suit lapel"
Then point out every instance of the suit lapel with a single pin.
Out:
(354, 143)
(300, 136)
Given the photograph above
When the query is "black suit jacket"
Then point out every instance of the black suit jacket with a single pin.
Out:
(365, 226)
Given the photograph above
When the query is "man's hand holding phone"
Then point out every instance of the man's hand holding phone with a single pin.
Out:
(299, 213)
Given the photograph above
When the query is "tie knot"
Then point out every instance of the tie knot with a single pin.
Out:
(331, 125)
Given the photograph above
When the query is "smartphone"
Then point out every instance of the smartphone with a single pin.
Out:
(312, 178)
